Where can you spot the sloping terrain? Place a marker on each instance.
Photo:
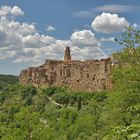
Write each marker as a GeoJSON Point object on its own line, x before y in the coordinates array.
{"type": "Point", "coordinates": [8, 79]}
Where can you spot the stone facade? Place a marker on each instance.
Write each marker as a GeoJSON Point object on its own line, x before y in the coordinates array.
{"type": "Point", "coordinates": [88, 75]}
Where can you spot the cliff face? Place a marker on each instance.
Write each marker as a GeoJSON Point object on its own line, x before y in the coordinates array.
{"type": "Point", "coordinates": [90, 75]}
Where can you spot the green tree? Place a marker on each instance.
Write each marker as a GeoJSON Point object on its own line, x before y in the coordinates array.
{"type": "Point", "coordinates": [131, 41]}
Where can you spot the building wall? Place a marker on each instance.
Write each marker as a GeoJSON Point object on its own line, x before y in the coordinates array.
{"type": "Point", "coordinates": [90, 75]}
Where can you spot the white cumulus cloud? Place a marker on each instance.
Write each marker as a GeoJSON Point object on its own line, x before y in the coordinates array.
{"type": "Point", "coordinates": [4, 10]}
{"type": "Point", "coordinates": [15, 10]}
{"type": "Point", "coordinates": [84, 37]}
{"type": "Point", "coordinates": [21, 42]}
{"type": "Point", "coordinates": [6, 53]}
{"type": "Point", "coordinates": [85, 45]}
{"type": "Point", "coordinates": [50, 28]}
{"type": "Point", "coordinates": [109, 23]}
{"type": "Point", "coordinates": [88, 53]}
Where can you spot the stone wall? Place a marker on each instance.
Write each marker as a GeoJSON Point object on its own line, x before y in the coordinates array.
{"type": "Point", "coordinates": [89, 75]}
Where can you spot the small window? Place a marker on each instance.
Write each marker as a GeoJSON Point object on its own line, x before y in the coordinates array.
{"type": "Point", "coordinates": [106, 69]}
{"type": "Point", "coordinates": [67, 73]}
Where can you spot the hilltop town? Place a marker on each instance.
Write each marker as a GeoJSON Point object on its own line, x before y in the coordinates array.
{"type": "Point", "coordinates": [88, 75]}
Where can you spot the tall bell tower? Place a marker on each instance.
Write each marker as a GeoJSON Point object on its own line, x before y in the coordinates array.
{"type": "Point", "coordinates": [67, 56]}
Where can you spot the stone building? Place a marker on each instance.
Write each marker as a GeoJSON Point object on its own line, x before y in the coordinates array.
{"type": "Point", "coordinates": [88, 75]}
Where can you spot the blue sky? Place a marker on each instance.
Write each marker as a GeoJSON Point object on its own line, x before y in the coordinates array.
{"type": "Point", "coordinates": [33, 30]}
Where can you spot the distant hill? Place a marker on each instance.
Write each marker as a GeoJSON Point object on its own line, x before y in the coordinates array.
{"type": "Point", "coordinates": [8, 79]}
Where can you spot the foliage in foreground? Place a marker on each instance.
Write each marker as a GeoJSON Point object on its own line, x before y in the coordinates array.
{"type": "Point", "coordinates": [28, 112]}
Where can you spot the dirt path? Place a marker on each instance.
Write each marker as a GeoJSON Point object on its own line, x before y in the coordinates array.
{"type": "Point", "coordinates": [54, 102]}
{"type": "Point", "coordinates": [51, 100]}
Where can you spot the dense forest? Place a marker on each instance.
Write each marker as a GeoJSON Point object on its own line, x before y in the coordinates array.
{"type": "Point", "coordinates": [6, 80]}
{"type": "Point", "coordinates": [29, 113]}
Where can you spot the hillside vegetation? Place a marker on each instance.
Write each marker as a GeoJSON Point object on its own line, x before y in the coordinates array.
{"type": "Point", "coordinates": [5, 80]}
{"type": "Point", "coordinates": [29, 113]}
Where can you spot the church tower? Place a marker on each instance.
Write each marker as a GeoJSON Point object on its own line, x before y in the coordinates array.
{"type": "Point", "coordinates": [67, 56]}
